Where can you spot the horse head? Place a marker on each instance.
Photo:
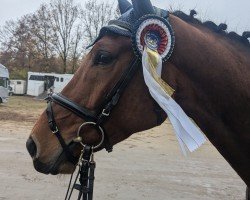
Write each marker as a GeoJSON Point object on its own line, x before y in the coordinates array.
{"type": "Point", "coordinates": [103, 67]}
{"type": "Point", "coordinates": [209, 71]}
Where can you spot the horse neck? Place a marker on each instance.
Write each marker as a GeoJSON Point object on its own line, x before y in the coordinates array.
{"type": "Point", "coordinates": [204, 56]}
{"type": "Point", "coordinates": [212, 86]}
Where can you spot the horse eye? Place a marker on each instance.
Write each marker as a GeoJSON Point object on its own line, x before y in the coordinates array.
{"type": "Point", "coordinates": [103, 58]}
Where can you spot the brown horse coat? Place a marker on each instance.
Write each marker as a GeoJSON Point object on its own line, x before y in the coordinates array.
{"type": "Point", "coordinates": [210, 74]}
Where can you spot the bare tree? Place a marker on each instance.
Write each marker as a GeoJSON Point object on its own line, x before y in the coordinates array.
{"type": "Point", "coordinates": [42, 32]}
{"type": "Point", "coordinates": [19, 41]}
{"type": "Point", "coordinates": [94, 16]}
{"type": "Point", "coordinates": [52, 39]}
{"type": "Point", "coordinates": [77, 49]}
{"type": "Point", "coordinates": [7, 33]}
{"type": "Point", "coordinates": [64, 18]}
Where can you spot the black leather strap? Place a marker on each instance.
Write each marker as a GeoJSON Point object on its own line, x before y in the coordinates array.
{"type": "Point", "coordinates": [114, 94]}
{"type": "Point", "coordinates": [55, 130]}
{"type": "Point", "coordinates": [158, 113]}
{"type": "Point", "coordinates": [80, 111]}
{"type": "Point", "coordinates": [113, 97]}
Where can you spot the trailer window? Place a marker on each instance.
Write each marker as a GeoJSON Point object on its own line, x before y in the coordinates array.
{"type": "Point", "coordinates": [3, 82]}
{"type": "Point", "coordinates": [57, 79]}
{"type": "Point", "coordinates": [18, 82]}
{"type": "Point", "coordinates": [61, 79]}
{"type": "Point", "coordinates": [36, 78]}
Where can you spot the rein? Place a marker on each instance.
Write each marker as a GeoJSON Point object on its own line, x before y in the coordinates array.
{"type": "Point", "coordinates": [86, 168]}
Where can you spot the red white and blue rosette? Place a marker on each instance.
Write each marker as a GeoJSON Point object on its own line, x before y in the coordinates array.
{"type": "Point", "coordinates": [154, 32]}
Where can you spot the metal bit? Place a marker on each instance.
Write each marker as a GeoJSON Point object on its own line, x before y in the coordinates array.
{"type": "Point", "coordinates": [92, 158]}
{"type": "Point", "coordinates": [78, 139]}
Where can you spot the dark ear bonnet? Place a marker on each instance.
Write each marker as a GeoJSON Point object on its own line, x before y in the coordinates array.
{"type": "Point", "coordinates": [123, 26]}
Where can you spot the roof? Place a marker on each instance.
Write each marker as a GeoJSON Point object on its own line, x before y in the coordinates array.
{"type": "Point", "coordinates": [49, 74]}
{"type": "Point", "coordinates": [4, 71]}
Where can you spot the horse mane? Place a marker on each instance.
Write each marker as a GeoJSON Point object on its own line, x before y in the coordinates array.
{"type": "Point", "coordinates": [219, 29]}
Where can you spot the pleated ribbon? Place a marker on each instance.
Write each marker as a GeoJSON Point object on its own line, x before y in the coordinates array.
{"type": "Point", "coordinates": [187, 132]}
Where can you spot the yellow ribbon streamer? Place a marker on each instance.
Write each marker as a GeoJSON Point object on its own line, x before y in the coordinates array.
{"type": "Point", "coordinates": [153, 60]}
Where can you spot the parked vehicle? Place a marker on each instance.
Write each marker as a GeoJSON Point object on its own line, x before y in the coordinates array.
{"type": "Point", "coordinates": [4, 84]}
{"type": "Point", "coordinates": [19, 87]}
{"type": "Point", "coordinates": [40, 83]}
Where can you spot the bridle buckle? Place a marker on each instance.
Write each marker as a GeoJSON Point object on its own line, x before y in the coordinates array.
{"type": "Point", "coordinates": [105, 113]}
{"type": "Point", "coordinates": [55, 131]}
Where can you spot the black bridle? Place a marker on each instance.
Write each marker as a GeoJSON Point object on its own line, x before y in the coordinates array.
{"type": "Point", "coordinates": [96, 117]}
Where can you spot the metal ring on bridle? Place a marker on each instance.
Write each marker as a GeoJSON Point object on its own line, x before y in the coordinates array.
{"type": "Point", "coordinates": [98, 127]}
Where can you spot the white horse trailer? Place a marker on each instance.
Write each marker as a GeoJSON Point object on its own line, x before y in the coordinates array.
{"type": "Point", "coordinates": [19, 87]}
{"type": "Point", "coordinates": [4, 84]}
{"type": "Point", "coordinates": [41, 83]}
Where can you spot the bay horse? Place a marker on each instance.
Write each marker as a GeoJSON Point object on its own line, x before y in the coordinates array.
{"type": "Point", "coordinates": [209, 71]}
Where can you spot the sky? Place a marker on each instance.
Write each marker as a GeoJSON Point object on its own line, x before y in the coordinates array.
{"type": "Point", "coordinates": [236, 13]}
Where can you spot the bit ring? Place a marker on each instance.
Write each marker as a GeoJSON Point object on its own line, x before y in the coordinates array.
{"type": "Point", "coordinates": [99, 128]}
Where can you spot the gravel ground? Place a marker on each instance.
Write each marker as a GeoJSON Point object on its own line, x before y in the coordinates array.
{"type": "Point", "coordinates": [148, 165]}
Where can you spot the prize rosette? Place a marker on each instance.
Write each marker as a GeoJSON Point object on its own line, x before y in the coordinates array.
{"type": "Point", "coordinates": [154, 32]}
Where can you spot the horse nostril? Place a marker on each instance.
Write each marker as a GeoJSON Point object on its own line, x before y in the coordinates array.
{"type": "Point", "coordinates": [31, 147]}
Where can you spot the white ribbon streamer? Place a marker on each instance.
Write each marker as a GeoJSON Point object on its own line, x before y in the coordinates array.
{"type": "Point", "coordinates": [187, 132]}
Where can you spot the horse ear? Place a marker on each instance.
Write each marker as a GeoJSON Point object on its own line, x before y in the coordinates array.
{"type": "Point", "coordinates": [124, 5]}
{"type": "Point", "coordinates": [142, 7]}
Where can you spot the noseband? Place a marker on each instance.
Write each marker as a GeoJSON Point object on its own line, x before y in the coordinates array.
{"type": "Point", "coordinates": [95, 118]}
